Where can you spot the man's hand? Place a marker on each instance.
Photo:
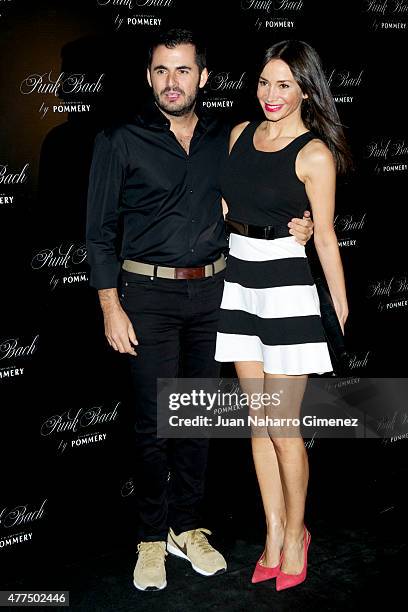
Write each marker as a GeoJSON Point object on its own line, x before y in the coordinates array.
{"type": "Point", "coordinates": [302, 229]}
{"type": "Point", "coordinates": [118, 328]}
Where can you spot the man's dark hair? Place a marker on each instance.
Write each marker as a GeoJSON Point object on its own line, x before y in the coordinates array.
{"type": "Point", "coordinates": [177, 36]}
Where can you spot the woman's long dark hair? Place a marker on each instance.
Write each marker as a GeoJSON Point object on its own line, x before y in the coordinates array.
{"type": "Point", "coordinates": [319, 112]}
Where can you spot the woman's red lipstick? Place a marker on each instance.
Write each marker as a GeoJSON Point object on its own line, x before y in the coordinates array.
{"type": "Point", "coordinates": [273, 108]}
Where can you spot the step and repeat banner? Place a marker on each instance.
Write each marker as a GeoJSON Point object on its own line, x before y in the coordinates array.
{"type": "Point", "coordinates": [67, 69]}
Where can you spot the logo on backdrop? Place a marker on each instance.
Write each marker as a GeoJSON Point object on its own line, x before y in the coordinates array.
{"type": "Point", "coordinates": [387, 155]}
{"type": "Point", "coordinates": [15, 517]}
{"type": "Point", "coordinates": [223, 89]}
{"type": "Point", "coordinates": [272, 14]}
{"type": "Point", "coordinates": [359, 360]}
{"type": "Point", "coordinates": [63, 264]}
{"type": "Point", "coordinates": [386, 15]}
{"type": "Point", "coordinates": [389, 294]}
{"type": "Point", "coordinates": [348, 227]}
{"type": "Point", "coordinates": [13, 355]}
{"type": "Point", "coordinates": [62, 86]}
{"type": "Point", "coordinates": [131, 13]}
{"type": "Point", "coordinates": [4, 5]}
{"type": "Point", "coordinates": [79, 427]}
{"type": "Point", "coordinates": [398, 422]}
{"type": "Point", "coordinates": [10, 177]}
{"type": "Point", "coordinates": [344, 83]}
{"type": "Point", "coordinates": [127, 488]}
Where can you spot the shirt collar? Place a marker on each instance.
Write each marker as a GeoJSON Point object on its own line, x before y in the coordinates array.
{"type": "Point", "coordinates": [152, 117]}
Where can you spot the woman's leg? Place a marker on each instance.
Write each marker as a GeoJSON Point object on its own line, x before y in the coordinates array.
{"type": "Point", "coordinates": [293, 465]}
{"type": "Point", "coordinates": [251, 377]}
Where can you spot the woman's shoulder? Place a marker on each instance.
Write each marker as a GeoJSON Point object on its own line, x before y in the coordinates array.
{"type": "Point", "coordinates": [236, 132]}
{"type": "Point", "coordinates": [239, 128]}
{"type": "Point", "coordinates": [316, 151]}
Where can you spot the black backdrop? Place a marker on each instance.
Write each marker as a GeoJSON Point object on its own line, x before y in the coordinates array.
{"type": "Point", "coordinates": [68, 477]}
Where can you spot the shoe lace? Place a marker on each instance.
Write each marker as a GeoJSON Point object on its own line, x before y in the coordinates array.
{"type": "Point", "coordinates": [198, 538]}
{"type": "Point", "coordinates": [150, 553]}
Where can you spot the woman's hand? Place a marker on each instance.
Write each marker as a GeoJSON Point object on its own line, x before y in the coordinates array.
{"type": "Point", "coordinates": [301, 229]}
{"type": "Point", "coordinates": [342, 312]}
{"type": "Point", "coordinates": [224, 207]}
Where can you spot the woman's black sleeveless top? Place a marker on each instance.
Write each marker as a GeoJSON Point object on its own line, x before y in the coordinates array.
{"type": "Point", "coordinates": [262, 188]}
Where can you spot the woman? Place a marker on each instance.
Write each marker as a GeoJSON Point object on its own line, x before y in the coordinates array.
{"type": "Point", "coordinates": [270, 323]}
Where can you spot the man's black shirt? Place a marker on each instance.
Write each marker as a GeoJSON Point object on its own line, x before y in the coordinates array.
{"type": "Point", "coordinates": [150, 201]}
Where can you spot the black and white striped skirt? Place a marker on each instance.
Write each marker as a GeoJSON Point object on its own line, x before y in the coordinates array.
{"type": "Point", "coordinates": [270, 308]}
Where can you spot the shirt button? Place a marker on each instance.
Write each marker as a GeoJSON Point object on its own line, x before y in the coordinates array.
{"type": "Point", "coordinates": [191, 191]}
{"type": "Point", "coordinates": [192, 220]}
{"type": "Point", "coordinates": [192, 250]}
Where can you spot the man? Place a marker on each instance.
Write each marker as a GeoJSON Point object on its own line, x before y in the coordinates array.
{"type": "Point", "coordinates": [159, 176]}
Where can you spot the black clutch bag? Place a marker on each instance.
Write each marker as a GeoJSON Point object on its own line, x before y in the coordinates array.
{"type": "Point", "coordinates": [334, 336]}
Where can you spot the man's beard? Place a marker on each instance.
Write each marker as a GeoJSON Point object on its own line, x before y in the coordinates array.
{"type": "Point", "coordinates": [182, 110]}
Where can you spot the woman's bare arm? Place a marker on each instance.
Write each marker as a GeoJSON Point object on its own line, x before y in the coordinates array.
{"type": "Point", "coordinates": [317, 169]}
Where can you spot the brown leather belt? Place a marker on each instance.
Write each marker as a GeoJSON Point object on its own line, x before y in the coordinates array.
{"type": "Point", "coordinates": [139, 267]}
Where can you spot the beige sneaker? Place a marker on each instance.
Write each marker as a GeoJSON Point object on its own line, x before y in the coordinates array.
{"type": "Point", "coordinates": [149, 573]}
{"type": "Point", "coordinates": [194, 546]}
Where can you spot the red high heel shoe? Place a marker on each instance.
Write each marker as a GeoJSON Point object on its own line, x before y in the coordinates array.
{"type": "Point", "coordinates": [262, 572]}
{"type": "Point", "coordinates": [285, 581]}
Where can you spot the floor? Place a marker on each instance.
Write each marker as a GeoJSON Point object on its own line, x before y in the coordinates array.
{"type": "Point", "coordinates": [357, 556]}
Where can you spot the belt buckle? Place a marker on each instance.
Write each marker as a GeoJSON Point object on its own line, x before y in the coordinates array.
{"type": "Point", "coordinates": [269, 232]}
{"type": "Point", "coordinates": [189, 273]}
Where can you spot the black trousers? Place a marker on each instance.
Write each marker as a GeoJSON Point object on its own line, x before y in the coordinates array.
{"type": "Point", "coordinates": [175, 322]}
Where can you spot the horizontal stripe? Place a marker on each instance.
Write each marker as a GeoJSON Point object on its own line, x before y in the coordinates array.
{"type": "Point", "coordinates": [258, 249]}
{"type": "Point", "coordinates": [272, 302]}
{"type": "Point", "coordinates": [263, 274]}
{"type": "Point", "coordinates": [295, 359]}
{"type": "Point", "coordinates": [283, 330]}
